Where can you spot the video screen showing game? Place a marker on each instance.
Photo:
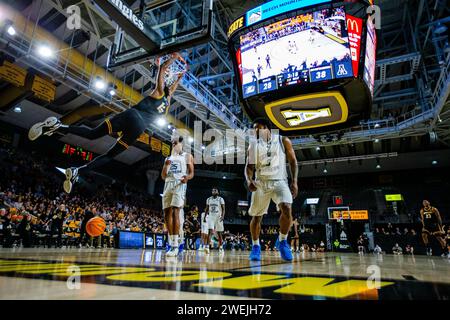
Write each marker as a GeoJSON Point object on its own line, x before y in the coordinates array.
{"type": "Point", "coordinates": [304, 49]}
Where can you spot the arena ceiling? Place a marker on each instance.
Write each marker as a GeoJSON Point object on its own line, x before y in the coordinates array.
{"type": "Point", "coordinates": [408, 54]}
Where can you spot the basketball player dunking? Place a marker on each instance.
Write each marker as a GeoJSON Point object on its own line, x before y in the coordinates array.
{"type": "Point", "coordinates": [432, 226]}
{"type": "Point", "coordinates": [266, 159]}
{"type": "Point", "coordinates": [178, 169]}
{"type": "Point", "coordinates": [215, 211]}
{"type": "Point", "coordinates": [132, 123]}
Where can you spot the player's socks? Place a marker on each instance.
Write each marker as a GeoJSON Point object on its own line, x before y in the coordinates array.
{"type": "Point", "coordinates": [255, 242]}
{"type": "Point", "coordinates": [175, 241]}
{"type": "Point", "coordinates": [282, 237]}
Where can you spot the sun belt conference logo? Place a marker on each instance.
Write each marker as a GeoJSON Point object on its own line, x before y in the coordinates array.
{"type": "Point", "coordinates": [254, 15]}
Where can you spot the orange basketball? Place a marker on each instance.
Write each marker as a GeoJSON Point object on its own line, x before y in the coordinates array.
{"type": "Point", "coordinates": [95, 226]}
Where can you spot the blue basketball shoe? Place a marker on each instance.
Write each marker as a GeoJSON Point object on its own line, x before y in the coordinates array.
{"type": "Point", "coordinates": [255, 255]}
{"type": "Point", "coordinates": [285, 250]}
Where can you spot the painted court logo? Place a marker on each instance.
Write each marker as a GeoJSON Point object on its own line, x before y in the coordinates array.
{"type": "Point", "coordinates": [262, 285]}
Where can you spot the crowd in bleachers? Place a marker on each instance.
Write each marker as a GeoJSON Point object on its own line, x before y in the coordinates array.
{"type": "Point", "coordinates": [405, 240]}
{"type": "Point", "coordinates": [37, 212]}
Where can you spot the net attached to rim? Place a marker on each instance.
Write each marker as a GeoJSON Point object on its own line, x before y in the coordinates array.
{"type": "Point", "coordinates": [174, 71]}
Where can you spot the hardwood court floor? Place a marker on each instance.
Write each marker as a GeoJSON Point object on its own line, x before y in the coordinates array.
{"type": "Point", "coordinates": [146, 274]}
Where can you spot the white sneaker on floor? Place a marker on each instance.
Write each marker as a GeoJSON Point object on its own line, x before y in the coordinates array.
{"type": "Point", "coordinates": [221, 250]}
{"type": "Point", "coordinates": [207, 250]}
{"type": "Point", "coordinates": [173, 252]}
{"type": "Point", "coordinates": [201, 249]}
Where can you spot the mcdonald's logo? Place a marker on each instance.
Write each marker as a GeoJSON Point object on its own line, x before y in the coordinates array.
{"type": "Point", "coordinates": [352, 25]}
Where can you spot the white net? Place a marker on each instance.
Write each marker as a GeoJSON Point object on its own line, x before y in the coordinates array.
{"type": "Point", "coordinates": [173, 72]}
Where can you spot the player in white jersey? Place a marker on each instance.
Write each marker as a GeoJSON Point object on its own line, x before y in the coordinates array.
{"type": "Point", "coordinates": [266, 159]}
{"type": "Point", "coordinates": [204, 231]}
{"type": "Point", "coordinates": [215, 209]}
{"type": "Point", "coordinates": [178, 169]}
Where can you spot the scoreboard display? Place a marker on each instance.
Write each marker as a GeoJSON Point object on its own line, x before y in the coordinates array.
{"type": "Point", "coordinates": [305, 48]}
{"type": "Point", "coordinates": [351, 215]}
{"type": "Point", "coordinates": [295, 59]}
{"type": "Point", "coordinates": [77, 152]}
{"type": "Point", "coordinates": [131, 240]}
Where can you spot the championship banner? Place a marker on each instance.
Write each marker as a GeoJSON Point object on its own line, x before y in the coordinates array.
{"type": "Point", "coordinates": [144, 138]}
{"type": "Point", "coordinates": [354, 26]}
{"type": "Point", "coordinates": [165, 149]}
{"type": "Point", "coordinates": [13, 74]}
{"type": "Point", "coordinates": [155, 144]}
{"type": "Point", "coordinates": [43, 89]}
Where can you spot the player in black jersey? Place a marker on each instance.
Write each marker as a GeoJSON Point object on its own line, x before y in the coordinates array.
{"type": "Point", "coordinates": [432, 226]}
{"type": "Point", "coordinates": [131, 123]}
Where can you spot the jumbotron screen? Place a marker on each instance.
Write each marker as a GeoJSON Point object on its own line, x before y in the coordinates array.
{"type": "Point", "coordinates": [306, 48]}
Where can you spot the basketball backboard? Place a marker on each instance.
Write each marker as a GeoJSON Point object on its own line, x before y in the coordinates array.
{"type": "Point", "coordinates": [156, 27]}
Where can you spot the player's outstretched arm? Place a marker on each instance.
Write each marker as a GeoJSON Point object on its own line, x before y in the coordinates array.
{"type": "Point", "coordinates": [250, 169]}
{"type": "Point", "coordinates": [421, 218]}
{"type": "Point", "coordinates": [190, 167]}
{"type": "Point", "coordinates": [160, 84]}
{"type": "Point", "coordinates": [438, 215]}
{"type": "Point", "coordinates": [223, 211]}
{"type": "Point", "coordinates": [165, 169]}
{"type": "Point", "coordinates": [292, 160]}
{"type": "Point", "coordinates": [206, 209]}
